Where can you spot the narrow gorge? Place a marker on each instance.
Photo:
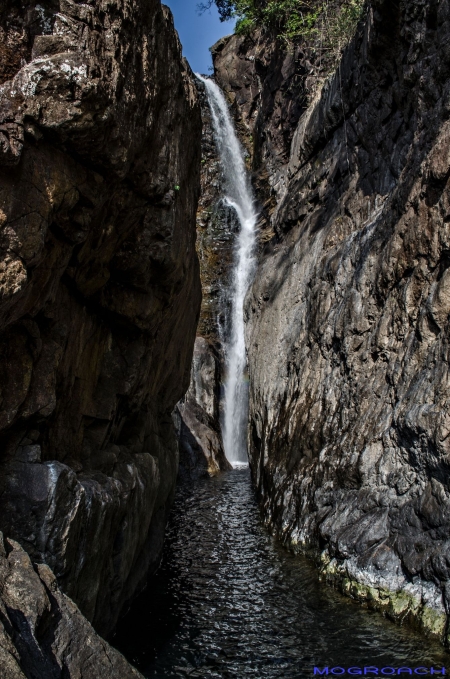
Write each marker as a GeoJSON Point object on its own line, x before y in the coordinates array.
{"type": "Point", "coordinates": [229, 294]}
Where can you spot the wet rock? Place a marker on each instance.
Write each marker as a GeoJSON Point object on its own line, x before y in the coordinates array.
{"type": "Point", "coordinates": [201, 445]}
{"type": "Point", "coordinates": [100, 135]}
{"type": "Point", "coordinates": [216, 227]}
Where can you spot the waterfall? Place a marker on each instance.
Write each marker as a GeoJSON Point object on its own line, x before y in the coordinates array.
{"type": "Point", "coordinates": [237, 195]}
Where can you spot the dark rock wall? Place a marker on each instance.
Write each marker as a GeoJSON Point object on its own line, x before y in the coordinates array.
{"type": "Point", "coordinates": [100, 135]}
{"type": "Point", "coordinates": [348, 318]}
{"type": "Point", "coordinates": [42, 633]}
{"type": "Point", "coordinates": [199, 425]}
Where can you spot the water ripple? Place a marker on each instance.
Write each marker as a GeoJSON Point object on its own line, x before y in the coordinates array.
{"type": "Point", "coordinates": [229, 602]}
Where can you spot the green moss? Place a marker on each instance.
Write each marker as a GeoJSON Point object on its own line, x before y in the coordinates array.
{"type": "Point", "coordinates": [433, 622]}
{"type": "Point", "coordinates": [346, 586]}
{"type": "Point", "coordinates": [328, 25]}
{"type": "Point", "coordinates": [359, 591]}
{"type": "Point", "coordinates": [399, 606]}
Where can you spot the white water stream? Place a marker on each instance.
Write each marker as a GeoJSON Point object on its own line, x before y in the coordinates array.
{"type": "Point", "coordinates": [239, 196]}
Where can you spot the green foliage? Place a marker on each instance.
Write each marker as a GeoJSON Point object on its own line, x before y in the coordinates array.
{"type": "Point", "coordinates": [226, 8]}
{"type": "Point", "coordinates": [245, 25]}
{"type": "Point", "coordinates": [340, 27]}
{"type": "Point", "coordinates": [328, 24]}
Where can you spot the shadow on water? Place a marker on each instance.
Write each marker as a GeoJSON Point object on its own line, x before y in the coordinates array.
{"type": "Point", "coordinates": [229, 602]}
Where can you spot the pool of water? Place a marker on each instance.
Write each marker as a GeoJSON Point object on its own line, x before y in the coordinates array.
{"type": "Point", "coordinates": [230, 602]}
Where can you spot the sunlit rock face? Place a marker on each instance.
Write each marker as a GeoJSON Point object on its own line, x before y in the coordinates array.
{"type": "Point", "coordinates": [100, 137]}
{"type": "Point", "coordinates": [348, 317]}
{"type": "Point", "coordinates": [268, 87]}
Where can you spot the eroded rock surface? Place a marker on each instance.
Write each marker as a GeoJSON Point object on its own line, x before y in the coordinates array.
{"type": "Point", "coordinates": [201, 444]}
{"type": "Point", "coordinates": [43, 635]}
{"type": "Point", "coordinates": [99, 286]}
{"type": "Point", "coordinates": [348, 318]}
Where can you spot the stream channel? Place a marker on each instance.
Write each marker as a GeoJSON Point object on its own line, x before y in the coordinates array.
{"type": "Point", "coordinates": [230, 602]}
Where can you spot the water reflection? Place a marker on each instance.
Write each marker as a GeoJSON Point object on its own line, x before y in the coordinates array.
{"type": "Point", "coordinates": [229, 602]}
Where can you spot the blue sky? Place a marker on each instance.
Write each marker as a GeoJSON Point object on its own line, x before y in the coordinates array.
{"type": "Point", "coordinates": [198, 32]}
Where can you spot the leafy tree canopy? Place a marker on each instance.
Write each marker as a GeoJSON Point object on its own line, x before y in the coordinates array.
{"type": "Point", "coordinates": [330, 23]}
{"type": "Point", "coordinates": [226, 8]}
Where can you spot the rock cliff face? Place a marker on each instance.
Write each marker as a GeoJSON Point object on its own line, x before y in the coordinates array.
{"type": "Point", "coordinates": [201, 444]}
{"type": "Point", "coordinates": [100, 136]}
{"type": "Point", "coordinates": [348, 318]}
{"type": "Point", "coordinates": [268, 88]}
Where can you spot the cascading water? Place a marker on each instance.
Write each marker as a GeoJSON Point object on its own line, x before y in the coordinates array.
{"type": "Point", "coordinates": [237, 195]}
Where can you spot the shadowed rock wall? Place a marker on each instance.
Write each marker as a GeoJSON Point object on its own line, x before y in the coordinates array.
{"type": "Point", "coordinates": [348, 318]}
{"type": "Point", "coordinates": [42, 632]}
{"type": "Point", "coordinates": [201, 444]}
{"type": "Point", "coordinates": [100, 135]}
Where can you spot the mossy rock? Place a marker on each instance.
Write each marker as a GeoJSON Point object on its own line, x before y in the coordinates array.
{"type": "Point", "coordinates": [373, 595]}
{"type": "Point", "coordinates": [400, 605]}
{"type": "Point", "coordinates": [347, 586]}
{"type": "Point", "coordinates": [433, 622]}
